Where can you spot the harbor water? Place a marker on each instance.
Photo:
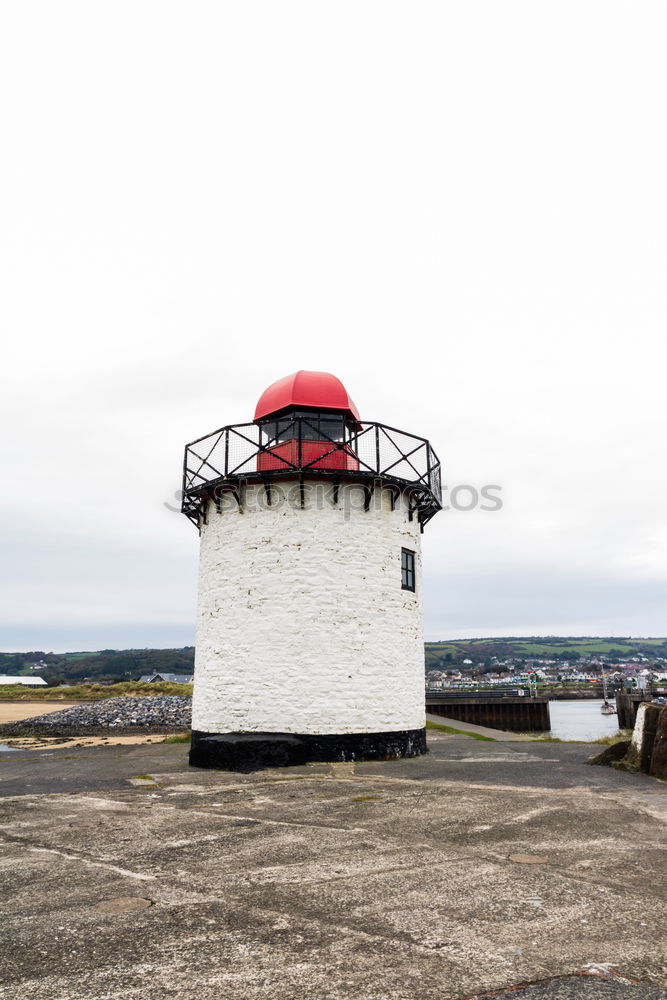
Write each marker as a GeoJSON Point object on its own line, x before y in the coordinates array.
{"type": "Point", "coordinates": [581, 720]}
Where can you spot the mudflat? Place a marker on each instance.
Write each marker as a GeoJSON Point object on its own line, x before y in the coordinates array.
{"type": "Point", "coordinates": [15, 711]}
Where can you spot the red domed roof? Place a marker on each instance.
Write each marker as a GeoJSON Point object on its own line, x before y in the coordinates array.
{"type": "Point", "coordinates": [316, 390]}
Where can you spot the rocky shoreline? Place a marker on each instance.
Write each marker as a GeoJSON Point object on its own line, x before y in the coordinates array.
{"type": "Point", "coordinates": [125, 716]}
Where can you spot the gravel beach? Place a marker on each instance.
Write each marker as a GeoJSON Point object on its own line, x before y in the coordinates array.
{"type": "Point", "coordinates": [151, 714]}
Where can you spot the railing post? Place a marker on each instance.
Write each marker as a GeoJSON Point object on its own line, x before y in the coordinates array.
{"type": "Point", "coordinates": [227, 452]}
{"type": "Point", "coordinates": [377, 449]}
{"type": "Point", "coordinates": [186, 484]}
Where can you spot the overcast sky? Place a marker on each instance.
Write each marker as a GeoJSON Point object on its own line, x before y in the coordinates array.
{"type": "Point", "coordinates": [458, 208]}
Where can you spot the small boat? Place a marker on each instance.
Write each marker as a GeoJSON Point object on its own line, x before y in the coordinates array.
{"type": "Point", "coordinates": [605, 707]}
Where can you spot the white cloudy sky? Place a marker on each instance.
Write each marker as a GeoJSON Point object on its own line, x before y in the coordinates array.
{"type": "Point", "coordinates": [459, 208]}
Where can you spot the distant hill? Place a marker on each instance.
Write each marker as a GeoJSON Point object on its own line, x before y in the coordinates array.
{"type": "Point", "coordinates": [611, 648]}
{"type": "Point", "coordinates": [115, 665]}
{"type": "Point", "coordinates": [105, 665]}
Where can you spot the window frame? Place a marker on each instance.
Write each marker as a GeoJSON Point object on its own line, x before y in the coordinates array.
{"type": "Point", "coordinates": [408, 570]}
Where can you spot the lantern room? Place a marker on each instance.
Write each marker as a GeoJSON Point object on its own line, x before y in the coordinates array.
{"type": "Point", "coordinates": [307, 420]}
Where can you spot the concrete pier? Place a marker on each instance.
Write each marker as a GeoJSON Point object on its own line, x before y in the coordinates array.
{"type": "Point", "coordinates": [518, 714]}
{"type": "Point", "coordinates": [477, 867]}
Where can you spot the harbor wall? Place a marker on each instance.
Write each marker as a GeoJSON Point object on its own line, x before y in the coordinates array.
{"type": "Point", "coordinates": [626, 707]}
{"type": "Point", "coordinates": [519, 715]}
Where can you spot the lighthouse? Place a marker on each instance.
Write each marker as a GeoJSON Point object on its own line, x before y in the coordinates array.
{"type": "Point", "coordinates": [309, 643]}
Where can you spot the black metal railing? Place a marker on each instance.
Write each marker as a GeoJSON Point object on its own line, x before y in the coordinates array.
{"type": "Point", "coordinates": [519, 691]}
{"type": "Point", "coordinates": [301, 446]}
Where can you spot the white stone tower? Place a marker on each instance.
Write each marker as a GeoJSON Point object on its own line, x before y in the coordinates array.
{"type": "Point", "coordinates": [309, 627]}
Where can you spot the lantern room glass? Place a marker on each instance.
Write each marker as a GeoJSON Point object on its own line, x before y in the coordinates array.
{"type": "Point", "coordinates": [315, 426]}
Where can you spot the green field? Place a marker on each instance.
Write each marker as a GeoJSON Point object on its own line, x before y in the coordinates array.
{"type": "Point", "coordinates": [594, 646]}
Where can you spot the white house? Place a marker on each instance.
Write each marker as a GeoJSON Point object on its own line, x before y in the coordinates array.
{"type": "Point", "coordinates": [26, 681]}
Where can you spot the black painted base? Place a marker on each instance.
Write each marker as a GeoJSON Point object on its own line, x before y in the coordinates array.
{"type": "Point", "coordinates": [253, 751]}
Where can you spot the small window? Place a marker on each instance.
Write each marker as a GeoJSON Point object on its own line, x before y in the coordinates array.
{"type": "Point", "coordinates": [407, 569]}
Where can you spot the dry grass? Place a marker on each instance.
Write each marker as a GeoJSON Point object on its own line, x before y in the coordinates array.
{"type": "Point", "coordinates": [90, 692]}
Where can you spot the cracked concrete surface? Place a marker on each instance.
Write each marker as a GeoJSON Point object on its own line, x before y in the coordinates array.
{"type": "Point", "coordinates": [384, 881]}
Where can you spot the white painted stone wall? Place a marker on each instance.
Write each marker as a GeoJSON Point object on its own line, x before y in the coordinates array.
{"type": "Point", "coordinates": [303, 625]}
{"type": "Point", "coordinates": [638, 730]}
